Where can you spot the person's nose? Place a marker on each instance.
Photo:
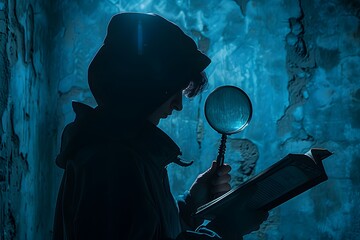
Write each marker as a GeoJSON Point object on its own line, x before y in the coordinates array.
{"type": "Point", "coordinates": [177, 103]}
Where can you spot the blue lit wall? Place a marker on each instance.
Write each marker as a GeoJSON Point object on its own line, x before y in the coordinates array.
{"type": "Point", "coordinates": [298, 60]}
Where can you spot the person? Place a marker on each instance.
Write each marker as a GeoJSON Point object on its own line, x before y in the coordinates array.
{"type": "Point", "coordinates": [115, 184]}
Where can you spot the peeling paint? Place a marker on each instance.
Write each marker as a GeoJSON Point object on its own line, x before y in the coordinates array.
{"type": "Point", "coordinates": [4, 64]}
{"type": "Point", "coordinates": [249, 154]}
{"type": "Point", "coordinates": [242, 4]}
{"type": "Point", "coordinates": [301, 66]}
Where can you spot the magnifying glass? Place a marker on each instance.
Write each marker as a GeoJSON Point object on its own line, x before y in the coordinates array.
{"type": "Point", "coordinates": [228, 110]}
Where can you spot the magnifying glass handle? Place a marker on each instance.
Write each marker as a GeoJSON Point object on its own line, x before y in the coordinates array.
{"type": "Point", "coordinates": [221, 153]}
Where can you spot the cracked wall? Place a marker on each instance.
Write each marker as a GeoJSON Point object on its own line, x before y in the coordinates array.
{"type": "Point", "coordinates": [27, 99]}
{"type": "Point", "coordinates": [298, 60]}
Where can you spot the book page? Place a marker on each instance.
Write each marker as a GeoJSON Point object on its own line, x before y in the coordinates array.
{"type": "Point", "coordinates": [276, 185]}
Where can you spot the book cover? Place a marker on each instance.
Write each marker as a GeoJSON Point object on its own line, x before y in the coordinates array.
{"type": "Point", "coordinates": [289, 177]}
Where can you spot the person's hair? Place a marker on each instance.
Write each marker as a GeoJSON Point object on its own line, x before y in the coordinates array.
{"type": "Point", "coordinates": [197, 85]}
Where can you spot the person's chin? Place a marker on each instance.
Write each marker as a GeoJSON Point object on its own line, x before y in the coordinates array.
{"type": "Point", "coordinates": [154, 122]}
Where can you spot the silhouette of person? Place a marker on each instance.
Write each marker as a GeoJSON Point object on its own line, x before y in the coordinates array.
{"type": "Point", "coordinates": [115, 184]}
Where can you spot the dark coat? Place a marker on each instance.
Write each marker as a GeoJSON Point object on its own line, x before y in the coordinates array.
{"type": "Point", "coordinates": [115, 184]}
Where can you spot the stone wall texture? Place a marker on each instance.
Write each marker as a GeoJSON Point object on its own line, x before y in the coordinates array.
{"type": "Point", "coordinates": [298, 60]}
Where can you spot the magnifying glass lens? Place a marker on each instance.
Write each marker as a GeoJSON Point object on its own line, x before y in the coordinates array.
{"type": "Point", "coordinates": [228, 109]}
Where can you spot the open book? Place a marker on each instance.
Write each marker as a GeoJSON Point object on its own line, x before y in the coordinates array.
{"type": "Point", "coordinates": [289, 177]}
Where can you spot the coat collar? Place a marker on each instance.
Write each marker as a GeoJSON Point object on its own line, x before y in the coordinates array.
{"type": "Point", "coordinates": [93, 126]}
{"type": "Point", "coordinates": [156, 145]}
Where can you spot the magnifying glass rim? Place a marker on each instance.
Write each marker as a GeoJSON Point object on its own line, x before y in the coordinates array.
{"type": "Point", "coordinates": [246, 96]}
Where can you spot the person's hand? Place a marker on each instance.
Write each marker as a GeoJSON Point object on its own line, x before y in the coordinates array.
{"type": "Point", "coordinates": [234, 222]}
{"type": "Point", "coordinates": [200, 234]}
{"type": "Point", "coordinates": [211, 184]}
{"type": "Point", "coordinates": [241, 224]}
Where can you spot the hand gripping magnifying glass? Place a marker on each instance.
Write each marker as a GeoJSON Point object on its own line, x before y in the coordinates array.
{"type": "Point", "coordinates": [228, 110]}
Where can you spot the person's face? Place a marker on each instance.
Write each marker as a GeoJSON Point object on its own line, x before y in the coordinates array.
{"type": "Point", "coordinates": [174, 103]}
